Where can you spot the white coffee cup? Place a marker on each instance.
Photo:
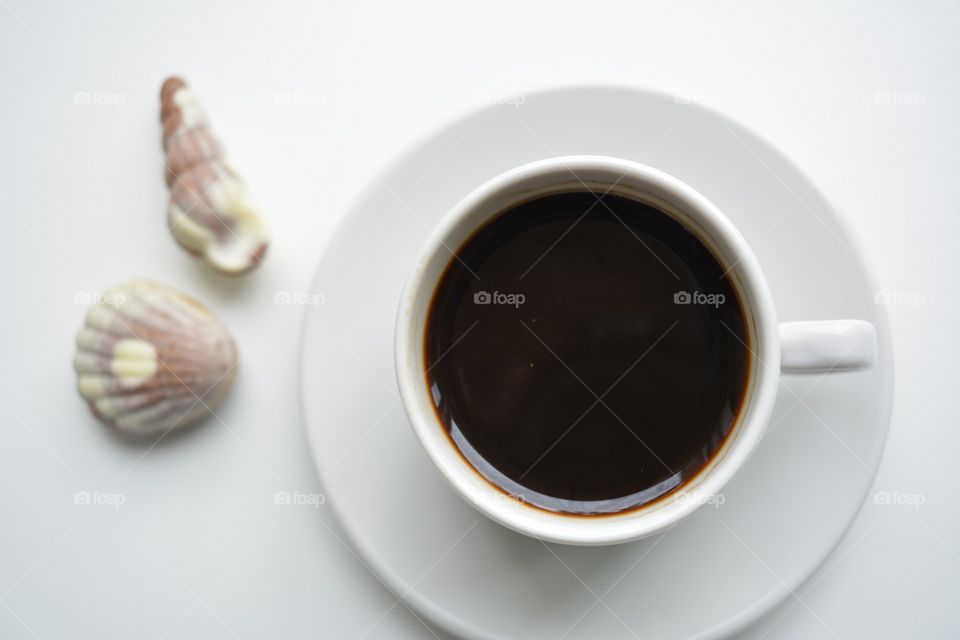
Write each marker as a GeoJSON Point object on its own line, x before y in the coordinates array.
{"type": "Point", "coordinates": [796, 347]}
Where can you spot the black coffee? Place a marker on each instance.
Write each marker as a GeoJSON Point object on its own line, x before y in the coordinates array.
{"type": "Point", "coordinates": [586, 355]}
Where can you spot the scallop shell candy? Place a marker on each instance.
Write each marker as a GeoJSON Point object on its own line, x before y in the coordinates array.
{"type": "Point", "coordinates": [150, 359]}
{"type": "Point", "coordinates": [211, 212]}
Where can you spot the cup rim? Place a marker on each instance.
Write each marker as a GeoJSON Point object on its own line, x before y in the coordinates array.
{"type": "Point", "coordinates": [715, 230]}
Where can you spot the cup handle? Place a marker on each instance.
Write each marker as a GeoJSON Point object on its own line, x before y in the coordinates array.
{"type": "Point", "coordinates": [821, 346]}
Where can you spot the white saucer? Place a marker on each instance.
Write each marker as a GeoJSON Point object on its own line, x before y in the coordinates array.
{"type": "Point", "coordinates": [715, 572]}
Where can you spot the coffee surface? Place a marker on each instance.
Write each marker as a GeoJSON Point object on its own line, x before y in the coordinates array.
{"type": "Point", "coordinates": [587, 354]}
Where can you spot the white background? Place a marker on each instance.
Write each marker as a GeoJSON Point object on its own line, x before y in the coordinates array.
{"type": "Point", "coordinates": [310, 99]}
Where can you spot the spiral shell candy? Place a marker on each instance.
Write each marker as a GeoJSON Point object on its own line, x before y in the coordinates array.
{"type": "Point", "coordinates": [211, 213]}
{"type": "Point", "coordinates": [150, 359]}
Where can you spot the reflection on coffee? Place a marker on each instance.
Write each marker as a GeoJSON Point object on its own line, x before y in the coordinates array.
{"type": "Point", "coordinates": [586, 353]}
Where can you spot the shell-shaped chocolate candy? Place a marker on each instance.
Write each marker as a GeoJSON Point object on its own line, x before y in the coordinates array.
{"type": "Point", "coordinates": [211, 213]}
{"type": "Point", "coordinates": [150, 359]}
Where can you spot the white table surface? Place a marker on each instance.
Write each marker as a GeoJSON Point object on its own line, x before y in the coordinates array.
{"type": "Point", "coordinates": [310, 98]}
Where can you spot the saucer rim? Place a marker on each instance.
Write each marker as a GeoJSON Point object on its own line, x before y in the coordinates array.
{"type": "Point", "coordinates": [465, 114]}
